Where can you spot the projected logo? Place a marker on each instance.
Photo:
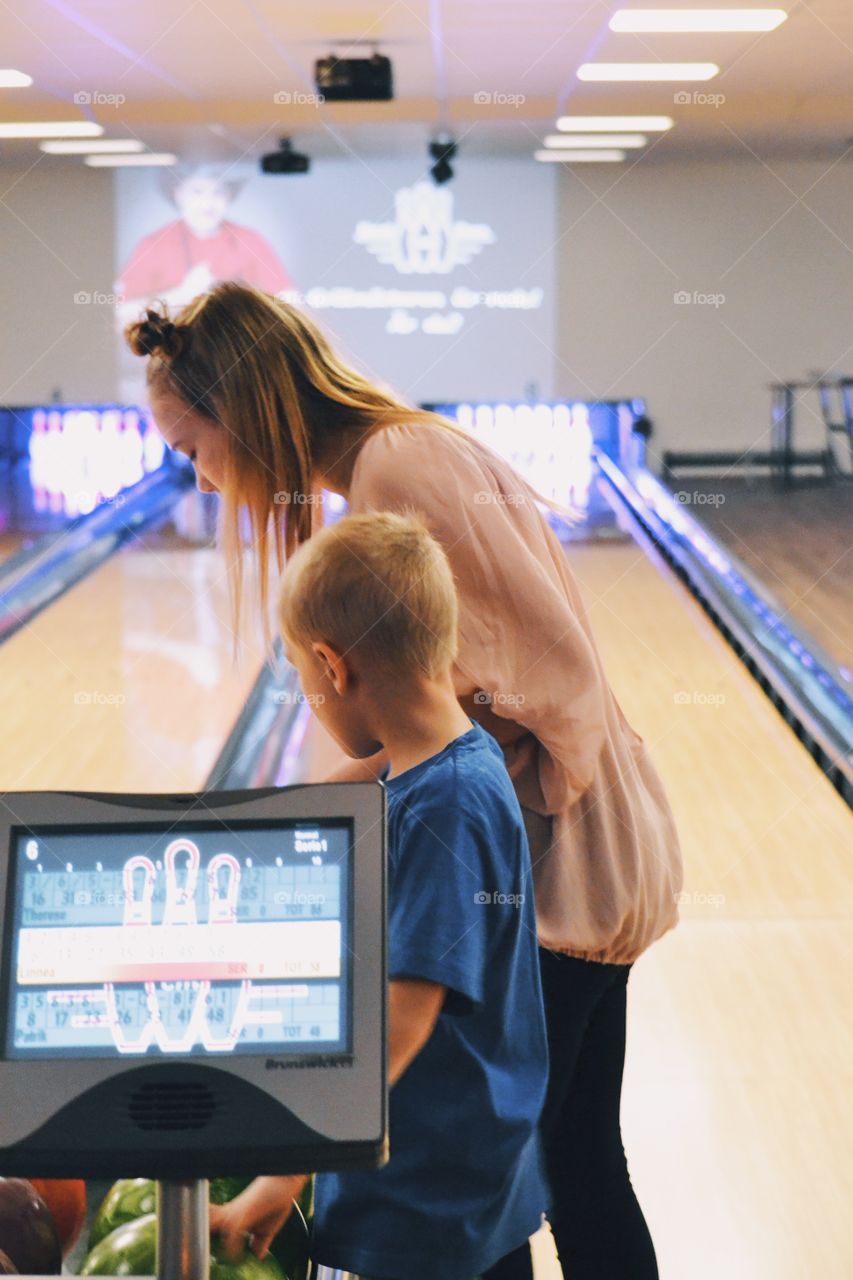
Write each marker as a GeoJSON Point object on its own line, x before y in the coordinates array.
{"type": "Point", "coordinates": [424, 238]}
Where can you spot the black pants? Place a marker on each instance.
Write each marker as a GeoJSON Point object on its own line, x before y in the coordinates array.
{"type": "Point", "coordinates": [598, 1226]}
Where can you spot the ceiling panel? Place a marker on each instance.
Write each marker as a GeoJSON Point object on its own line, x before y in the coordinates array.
{"type": "Point", "coordinates": [182, 65]}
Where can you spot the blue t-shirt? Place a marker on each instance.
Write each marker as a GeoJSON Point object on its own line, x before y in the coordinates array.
{"type": "Point", "coordinates": [464, 1184]}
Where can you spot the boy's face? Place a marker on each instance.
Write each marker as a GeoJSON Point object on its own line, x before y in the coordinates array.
{"type": "Point", "coordinates": [337, 695]}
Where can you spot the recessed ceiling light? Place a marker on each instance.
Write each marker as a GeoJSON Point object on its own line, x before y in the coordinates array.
{"type": "Point", "coordinates": [648, 71]}
{"type": "Point", "coordinates": [148, 158]}
{"type": "Point", "coordinates": [52, 129]}
{"type": "Point", "coordinates": [72, 147]}
{"type": "Point", "coordinates": [612, 124]}
{"type": "Point", "coordinates": [605, 156]}
{"type": "Point", "coordinates": [697, 19]}
{"type": "Point", "coordinates": [596, 140]}
{"type": "Point", "coordinates": [10, 79]}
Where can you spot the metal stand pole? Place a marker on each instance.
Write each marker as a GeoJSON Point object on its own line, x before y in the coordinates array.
{"type": "Point", "coordinates": [183, 1231]}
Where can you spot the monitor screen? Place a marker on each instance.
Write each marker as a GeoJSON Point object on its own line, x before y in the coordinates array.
{"type": "Point", "coordinates": [202, 939]}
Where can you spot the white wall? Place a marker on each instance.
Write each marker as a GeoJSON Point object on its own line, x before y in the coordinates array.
{"type": "Point", "coordinates": [775, 240]}
{"type": "Point", "coordinates": [777, 247]}
{"type": "Point", "coordinates": [56, 241]}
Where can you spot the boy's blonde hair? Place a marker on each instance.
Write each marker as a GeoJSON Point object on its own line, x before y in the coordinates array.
{"type": "Point", "coordinates": [379, 585]}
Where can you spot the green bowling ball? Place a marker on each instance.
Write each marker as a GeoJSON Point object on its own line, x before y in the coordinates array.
{"type": "Point", "coordinates": [131, 1250]}
{"type": "Point", "coordinates": [132, 1198]}
{"type": "Point", "coordinates": [126, 1200]}
{"type": "Point", "coordinates": [248, 1268]}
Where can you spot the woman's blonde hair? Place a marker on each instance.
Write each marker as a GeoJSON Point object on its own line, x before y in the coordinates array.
{"type": "Point", "coordinates": [262, 370]}
{"type": "Point", "coordinates": [378, 585]}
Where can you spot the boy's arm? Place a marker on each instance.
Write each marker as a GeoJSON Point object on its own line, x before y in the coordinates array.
{"type": "Point", "coordinates": [263, 1208]}
{"type": "Point", "coordinates": [413, 1006]}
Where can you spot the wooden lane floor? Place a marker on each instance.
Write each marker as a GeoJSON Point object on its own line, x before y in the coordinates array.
{"type": "Point", "coordinates": [797, 541]}
{"type": "Point", "coordinates": [739, 1053]}
{"type": "Point", "coordinates": [127, 682]}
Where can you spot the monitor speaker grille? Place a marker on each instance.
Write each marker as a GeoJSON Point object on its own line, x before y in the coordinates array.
{"type": "Point", "coordinates": [171, 1106]}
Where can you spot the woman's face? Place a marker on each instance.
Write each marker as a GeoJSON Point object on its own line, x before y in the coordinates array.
{"type": "Point", "coordinates": [203, 441]}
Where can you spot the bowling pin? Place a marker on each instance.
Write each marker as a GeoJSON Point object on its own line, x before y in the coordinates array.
{"type": "Point", "coordinates": [110, 477]}
{"type": "Point", "coordinates": [132, 451]}
{"type": "Point", "coordinates": [153, 447]}
{"type": "Point", "coordinates": [137, 910]}
{"type": "Point", "coordinates": [180, 900]}
{"type": "Point", "coordinates": [222, 907]}
{"type": "Point", "coordinates": [37, 447]}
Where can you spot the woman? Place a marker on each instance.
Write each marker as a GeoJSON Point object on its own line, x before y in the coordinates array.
{"type": "Point", "coordinates": [251, 391]}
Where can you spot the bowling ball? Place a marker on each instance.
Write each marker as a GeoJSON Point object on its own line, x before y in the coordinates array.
{"type": "Point", "coordinates": [126, 1200]}
{"type": "Point", "coordinates": [27, 1231]}
{"type": "Point", "coordinates": [248, 1268]}
{"type": "Point", "coordinates": [134, 1197]}
{"type": "Point", "coordinates": [129, 1250]}
{"type": "Point", "coordinates": [66, 1199]}
{"type": "Point", "coordinates": [6, 1268]}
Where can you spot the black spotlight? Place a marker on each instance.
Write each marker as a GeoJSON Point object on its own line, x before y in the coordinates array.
{"type": "Point", "coordinates": [285, 160]}
{"type": "Point", "coordinates": [442, 153]}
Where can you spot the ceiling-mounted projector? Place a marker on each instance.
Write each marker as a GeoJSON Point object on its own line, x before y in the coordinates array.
{"type": "Point", "coordinates": [355, 79]}
{"type": "Point", "coordinates": [285, 160]}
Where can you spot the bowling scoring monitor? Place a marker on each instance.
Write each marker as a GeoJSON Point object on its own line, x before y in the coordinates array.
{"type": "Point", "coordinates": [192, 985]}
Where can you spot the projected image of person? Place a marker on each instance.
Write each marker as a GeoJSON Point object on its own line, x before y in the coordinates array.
{"type": "Point", "coordinates": [199, 248]}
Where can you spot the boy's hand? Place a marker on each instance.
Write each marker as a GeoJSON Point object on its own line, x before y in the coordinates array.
{"type": "Point", "coordinates": [255, 1217]}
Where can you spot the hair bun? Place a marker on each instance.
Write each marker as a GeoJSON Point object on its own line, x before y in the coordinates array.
{"type": "Point", "coordinates": [155, 335]}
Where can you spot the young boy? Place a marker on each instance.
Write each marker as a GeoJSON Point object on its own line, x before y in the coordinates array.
{"type": "Point", "coordinates": [368, 616]}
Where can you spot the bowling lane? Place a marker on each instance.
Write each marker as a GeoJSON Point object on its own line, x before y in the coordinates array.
{"type": "Point", "coordinates": [127, 682]}
{"type": "Point", "coordinates": [737, 1054]}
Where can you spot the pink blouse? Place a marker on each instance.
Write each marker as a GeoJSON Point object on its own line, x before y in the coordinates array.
{"type": "Point", "coordinates": [606, 859]}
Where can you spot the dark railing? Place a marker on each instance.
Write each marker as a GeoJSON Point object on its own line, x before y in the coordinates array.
{"type": "Point", "coordinates": [261, 749]}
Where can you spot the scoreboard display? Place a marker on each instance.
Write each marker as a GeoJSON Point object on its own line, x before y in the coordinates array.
{"type": "Point", "coordinates": [198, 941]}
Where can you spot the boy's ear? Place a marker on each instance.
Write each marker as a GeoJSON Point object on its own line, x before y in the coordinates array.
{"type": "Point", "coordinates": [335, 666]}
